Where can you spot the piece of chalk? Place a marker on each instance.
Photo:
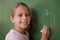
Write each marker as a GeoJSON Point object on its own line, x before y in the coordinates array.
{"type": "Point", "coordinates": [41, 30]}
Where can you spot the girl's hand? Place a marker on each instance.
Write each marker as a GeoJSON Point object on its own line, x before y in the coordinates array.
{"type": "Point", "coordinates": [45, 33]}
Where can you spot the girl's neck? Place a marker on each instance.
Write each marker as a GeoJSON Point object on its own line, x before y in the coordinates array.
{"type": "Point", "coordinates": [20, 30]}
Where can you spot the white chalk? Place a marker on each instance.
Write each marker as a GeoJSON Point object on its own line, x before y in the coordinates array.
{"type": "Point", "coordinates": [41, 30]}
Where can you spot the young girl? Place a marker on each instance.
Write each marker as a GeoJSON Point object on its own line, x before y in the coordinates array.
{"type": "Point", "coordinates": [20, 17]}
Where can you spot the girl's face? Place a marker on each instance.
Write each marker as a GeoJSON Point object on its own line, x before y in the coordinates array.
{"type": "Point", "coordinates": [21, 17]}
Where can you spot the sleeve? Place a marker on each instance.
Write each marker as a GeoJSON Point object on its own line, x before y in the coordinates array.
{"type": "Point", "coordinates": [10, 38]}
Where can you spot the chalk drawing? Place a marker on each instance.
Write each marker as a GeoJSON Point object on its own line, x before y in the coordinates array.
{"type": "Point", "coordinates": [48, 18]}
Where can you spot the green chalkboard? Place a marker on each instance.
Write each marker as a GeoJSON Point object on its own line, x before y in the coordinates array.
{"type": "Point", "coordinates": [45, 12]}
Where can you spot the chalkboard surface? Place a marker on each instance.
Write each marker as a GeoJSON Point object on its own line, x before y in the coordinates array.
{"type": "Point", "coordinates": [45, 12]}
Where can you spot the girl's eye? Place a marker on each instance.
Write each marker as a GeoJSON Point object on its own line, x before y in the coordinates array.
{"type": "Point", "coordinates": [27, 14]}
{"type": "Point", "coordinates": [20, 15]}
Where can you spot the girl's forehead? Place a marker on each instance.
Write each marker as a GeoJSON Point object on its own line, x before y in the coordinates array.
{"type": "Point", "coordinates": [22, 9]}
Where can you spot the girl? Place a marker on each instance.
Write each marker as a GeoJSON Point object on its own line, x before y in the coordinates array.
{"type": "Point", "coordinates": [20, 17]}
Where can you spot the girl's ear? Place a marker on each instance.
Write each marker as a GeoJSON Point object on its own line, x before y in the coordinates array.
{"type": "Point", "coordinates": [12, 19]}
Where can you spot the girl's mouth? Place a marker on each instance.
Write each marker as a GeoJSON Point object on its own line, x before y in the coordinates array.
{"type": "Point", "coordinates": [23, 23]}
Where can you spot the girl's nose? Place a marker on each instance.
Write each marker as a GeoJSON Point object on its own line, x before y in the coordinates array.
{"type": "Point", "coordinates": [23, 17]}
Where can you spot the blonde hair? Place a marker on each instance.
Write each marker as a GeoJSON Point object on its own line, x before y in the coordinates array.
{"type": "Point", "coordinates": [17, 5]}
